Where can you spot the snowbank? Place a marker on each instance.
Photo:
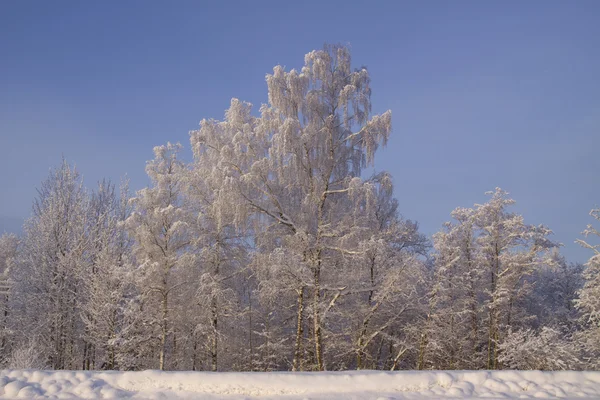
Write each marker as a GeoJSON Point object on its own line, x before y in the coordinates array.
{"type": "Point", "coordinates": [330, 385]}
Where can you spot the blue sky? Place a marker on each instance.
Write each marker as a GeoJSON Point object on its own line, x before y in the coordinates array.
{"type": "Point", "coordinates": [483, 93]}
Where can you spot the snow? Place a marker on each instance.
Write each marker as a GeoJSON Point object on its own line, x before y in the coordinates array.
{"type": "Point", "coordinates": [356, 385]}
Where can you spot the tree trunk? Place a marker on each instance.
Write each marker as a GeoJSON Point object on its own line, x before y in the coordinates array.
{"type": "Point", "coordinates": [490, 360]}
{"type": "Point", "coordinates": [174, 353]}
{"type": "Point", "coordinates": [4, 324]}
{"type": "Point", "coordinates": [361, 342]}
{"type": "Point", "coordinates": [214, 344]}
{"type": "Point", "coordinates": [85, 356]}
{"type": "Point", "coordinates": [164, 331]}
{"type": "Point", "coordinates": [317, 317]}
{"type": "Point", "coordinates": [250, 328]}
{"type": "Point", "coordinates": [493, 317]}
{"type": "Point", "coordinates": [372, 271]}
{"type": "Point", "coordinates": [298, 364]}
{"type": "Point", "coordinates": [397, 358]}
{"type": "Point", "coordinates": [377, 361]}
{"type": "Point", "coordinates": [111, 347]}
{"type": "Point", "coordinates": [422, 346]}
{"type": "Point", "coordinates": [472, 292]}
{"type": "Point", "coordinates": [195, 347]}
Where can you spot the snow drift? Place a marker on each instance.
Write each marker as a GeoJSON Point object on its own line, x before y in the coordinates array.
{"type": "Point", "coordinates": [329, 385]}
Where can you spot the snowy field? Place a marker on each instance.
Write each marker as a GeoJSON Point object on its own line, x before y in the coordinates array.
{"type": "Point", "coordinates": [32, 384]}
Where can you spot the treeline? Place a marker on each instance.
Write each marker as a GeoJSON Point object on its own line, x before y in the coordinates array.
{"type": "Point", "coordinates": [270, 251]}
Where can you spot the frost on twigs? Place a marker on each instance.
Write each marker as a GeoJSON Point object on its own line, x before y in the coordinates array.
{"type": "Point", "coordinates": [589, 295]}
{"type": "Point", "coordinates": [484, 263]}
{"type": "Point", "coordinates": [295, 171]}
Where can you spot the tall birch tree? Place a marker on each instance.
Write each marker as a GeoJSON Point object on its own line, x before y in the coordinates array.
{"type": "Point", "coordinates": [298, 164]}
{"type": "Point", "coordinates": [51, 266]}
{"type": "Point", "coordinates": [589, 295]}
{"type": "Point", "coordinates": [158, 225]}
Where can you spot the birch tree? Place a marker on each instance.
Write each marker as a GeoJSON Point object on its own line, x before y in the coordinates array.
{"type": "Point", "coordinates": [8, 254]}
{"type": "Point", "coordinates": [219, 225]}
{"type": "Point", "coordinates": [485, 263]}
{"type": "Point", "coordinates": [108, 280]}
{"type": "Point", "coordinates": [589, 295]}
{"type": "Point", "coordinates": [158, 226]}
{"type": "Point", "coordinates": [546, 350]}
{"type": "Point", "coordinates": [383, 280]}
{"type": "Point", "coordinates": [51, 266]}
{"type": "Point", "coordinates": [512, 251]}
{"type": "Point", "coordinates": [556, 289]}
{"type": "Point", "coordinates": [451, 339]}
{"type": "Point", "coordinates": [301, 160]}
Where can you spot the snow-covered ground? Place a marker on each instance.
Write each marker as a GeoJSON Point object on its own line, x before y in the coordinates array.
{"type": "Point", "coordinates": [330, 385]}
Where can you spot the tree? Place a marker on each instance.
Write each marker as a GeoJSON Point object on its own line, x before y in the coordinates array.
{"type": "Point", "coordinates": [8, 253]}
{"type": "Point", "coordinates": [51, 266]}
{"type": "Point", "coordinates": [160, 232]}
{"type": "Point", "coordinates": [556, 288]}
{"type": "Point", "coordinates": [547, 350]}
{"type": "Point", "coordinates": [589, 295]}
{"type": "Point", "coordinates": [383, 281]}
{"type": "Point", "coordinates": [484, 265]}
{"type": "Point", "coordinates": [220, 242]}
{"type": "Point", "coordinates": [108, 280]}
{"type": "Point", "coordinates": [299, 164]}
{"type": "Point", "coordinates": [452, 337]}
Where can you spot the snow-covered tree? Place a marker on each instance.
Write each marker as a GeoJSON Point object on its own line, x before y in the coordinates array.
{"type": "Point", "coordinates": [218, 223]}
{"type": "Point", "coordinates": [484, 265]}
{"type": "Point", "coordinates": [108, 281]}
{"type": "Point", "coordinates": [512, 251]}
{"type": "Point", "coordinates": [382, 281]}
{"type": "Point", "coordinates": [158, 226]}
{"type": "Point", "coordinates": [8, 254]}
{"type": "Point", "coordinates": [589, 295]}
{"type": "Point", "coordinates": [556, 287]}
{"type": "Point", "coordinates": [452, 338]}
{"type": "Point", "coordinates": [52, 263]}
{"type": "Point", "coordinates": [299, 164]}
{"type": "Point", "coordinates": [547, 350]}
{"type": "Point", "coordinates": [26, 355]}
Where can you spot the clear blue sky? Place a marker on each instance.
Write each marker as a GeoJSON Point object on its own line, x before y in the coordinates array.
{"type": "Point", "coordinates": [483, 93]}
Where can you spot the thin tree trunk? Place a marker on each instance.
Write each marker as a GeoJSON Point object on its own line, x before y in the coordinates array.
{"type": "Point", "coordinates": [389, 361]}
{"type": "Point", "coordinates": [361, 341]}
{"type": "Point", "coordinates": [422, 346]}
{"type": "Point", "coordinates": [214, 311]}
{"type": "Point", "coordinates": [493, 318]}
{"type": "Point", "coordinates": [317, 317]}
{"type": "Point", "coordinates": [111, 357]}
{"type": "Point", "coordinates": [215, 320]}
{"type": "Point", "coordinates": [93, 360]}
{"type": "Point", "coordinates": [424, 338]}
{"type": "Point", "coordinates": [397, 358]}
{"type": "Point", "coordinates": [111, 347]}
{"type": "Point", "coordinates": [85, 356]}
{"type": "Point", "coordinates": [473, 301]}
{"type": "Point", "coordinates": [174, 362]}
{"type": "Point", "coordinates": [490, 360]}
{"type": "Point", "coordinates": [250, 328]}
{"type": "Point", "coordinates": [377, 361]}
{"type": "Point", "coordinates": [164, 331]}
{"type": "Point", "coordinates": [195, 348]}
{"type": "Point", "coordinates": [372, 271]}
{"type": "Point", "coordinates": [4, 323]}
{"type": "Point", "coordinates": [361, 338]}
{"type": "Point", "coordinates": [298, 364]}
{"type": "Point", "coordinates": [496, 341]}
